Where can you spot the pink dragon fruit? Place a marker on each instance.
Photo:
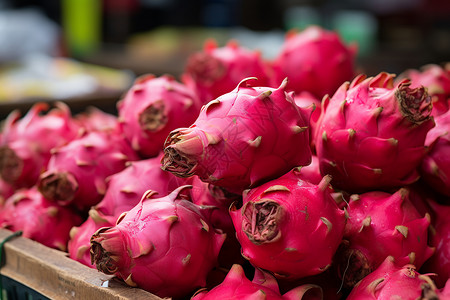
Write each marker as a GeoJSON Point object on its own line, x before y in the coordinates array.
{"type": "Point", "coordinates": [79, 244]}
{"type": "Point", "coordinates": [26, 142]}
{"type": "Point", "coordinates": [436, 79]}
{"type": "Point", "coordinates": [399, 233]}
{"type": "Point", "coordinates": [125, 188]}
{"type": "Point", "coordinates": [237, 286]}
{"type": "Point", "coordinates": [152, 108]}
{"type": "Point", "coordinates": [289, 226]}
{"type": "Point", "coordinates": [39, 219]}
{"type": "Point", "coordinates": [371, 134]}
{"type": "Point", "coordinates": [95, 119]}
{"type": "Point", "coordinates": [439, 263]}
{"type": "Point", "coordinates": [163, 245]}
{"type": "Point", "coordinates": [241, 139]}
{"type": "Point", "coordinates": [315, 60]}
{"type": "Point", "coordinates": [76, 173]}
{"type": "Point", "coordinates": [393, 279]}
{"type": "Point", "coordinates": [435, 167]}
{"type": "Point", "coordinates": [217, 70]}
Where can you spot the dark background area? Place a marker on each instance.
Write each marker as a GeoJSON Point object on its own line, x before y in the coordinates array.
{"type": "Point", "coordinates": [405, 33]}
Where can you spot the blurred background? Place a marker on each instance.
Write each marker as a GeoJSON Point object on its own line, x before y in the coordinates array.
{"type": "Point", "coordinates": [90, 51]}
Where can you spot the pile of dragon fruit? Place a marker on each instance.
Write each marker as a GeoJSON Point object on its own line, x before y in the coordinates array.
{"type": "Point", "coordinates": [298, 177]}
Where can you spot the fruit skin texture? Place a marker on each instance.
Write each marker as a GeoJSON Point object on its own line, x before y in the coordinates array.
{"type": "Point", "coordinates": [371, 134]}
{"type": "Point", "coordinates": [26, 142]}
{"type": "Point", "coordinates": [439, 263]}
{"type": "Point", "coordinates": [38, 218]}
{"type": "Point", "coordinates": [379, 225]}
{"type": "Point", "coordinates": [436, 79]}
{"type": "Point", "coordinates": [217, 70]}
{"type": "Point", "coordinates": [163, 245]}
{"type": "Point", "coordinates": [241, 139]}
{"type": "Point", "coordinates": [237, 286]}
{"type": "Point", "coordinates": [76, 173]}
{"type": "Point", "coordinates": [289, 226]}
{"type": "Point", "coordinates": [152, 108]}
{"type": "Point", "coordinates": [125, 188]}
{"type": "Point", "coordinates": [393, 279]}
{"type": "Point", "coordinates": [435, 166]}
{"type": "Point", "coordinates": [79, 243]}
{"type": "Point", "coordinates": [315, 60]}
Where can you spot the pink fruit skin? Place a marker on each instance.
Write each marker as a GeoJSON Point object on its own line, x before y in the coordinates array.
{"type": "Point", "coordinates": [39, 219]}
{"type": "Point", "coordinates": [305, 99]}
{"type": "Point", "coordinates": [435, 166]}
{"type": "Point", "coordinates": [439, 263]}
{"type": "Point", "coordinates": [217, 70]}
{"type": "Point", "coordinates": [241, 139]}
{"type": "Point", "coordinates": [371, 135]}
{"type": "Point", "coordinates": [26, 143]}
{"type": "Point", "coordinates": [94, 119]}
{"type": "Point", "coordinates": [163, 245]}
{"type": "Point", "coordinates": [392, 280]}
{"type": "Point", "coordinates": [289, 226]}
{"type": "Point", "coordinates": [125, 188]}
{"type": "Point", "coordinates": [79, 243]}
{"type": "Point", "coordinates": [436, 79]}
{"type": "Point", "coordinates": [152, 108]}
{"type": "Point", "coordinates": [389, 221]}
{"type": "Point", "coordinates": [76, 173]}
{"type": "Point", "coordinates": [237, 286]}
{"type": "Point", "coordinates": [315, 60]}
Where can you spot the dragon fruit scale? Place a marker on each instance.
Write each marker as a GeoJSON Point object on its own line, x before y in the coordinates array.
{"type": "Point", "coordinates": [152, 108]}
{"type": "Point", "coordinates": [166, 245]}
{"type": "Point", "coordinates": [315, 60]}
{"type": "Point", "coordinates": [217, 70]}
{"type": "Point", "coordinates": [381, 224]}
{"type": "Point", "coordinates": [241, 139]}
{"type": "Point", "coordinates": [393, 279]}
{"type": "Point", "coordinates": [26, 143]}
{"type": "Point", "coordinates": [371, 134]}
{"type": "Point", "coordinates": [76, 173]}
{"type": "Point", "coordinates": [39, 219]}
{"type": "Point", "coordinates": [237, 286]}
{"type": "Point", "coordinates": [289, 226]}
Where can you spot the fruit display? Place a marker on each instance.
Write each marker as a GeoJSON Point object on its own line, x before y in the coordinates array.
{"type": "Point", "coordinates": [298, 177]}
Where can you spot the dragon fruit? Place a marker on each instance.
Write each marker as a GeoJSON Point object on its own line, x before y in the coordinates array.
{"type": "Point", "coordinates": [315, 60]}
{"type": "Point", "coordinates": [436, 79]}
{"type": "Point", "coordinates": [399, 233]}
{"type": "Point", "coordinates": [237, 286]}
{"type": "Point", "coordinates": [435, 167]}
{"type": "Point", "coordinates": [152, 108]}
{"type": "Point", "coordinates": [125, 188]}
{"type": "Point", "coordinates": [393, 279]}
{"type": "Point", "coordinates": [26, 142]}
{"type": "Point", "coordinates": [79, 243]}
{"type": "Point", "coordinates": [95, 119]}
{"type": "Point", "coordinates": [371, 134]}
{"type": "Point", "coordinates": [439, 263]}
{"type": "Point", "coordinates": [217, 70]}
{"type": "Point", "coordinates": [39, 219]}
{"type": "Point", "coordinates": [76, 173]}
{"type": "Point", "coordinates": [164, 245]}
{"type": "Point", "coordinates": [305, 99]}
{"type": "Point", "coordinates": [6, 190]}
{"type": "Point", "coordinates": [241, 139]}
{"type": "Point", "coordinates": [289, 226]}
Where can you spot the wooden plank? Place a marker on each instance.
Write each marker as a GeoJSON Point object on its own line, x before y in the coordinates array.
{"type": "Point", "coordinates": [56, 276]}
